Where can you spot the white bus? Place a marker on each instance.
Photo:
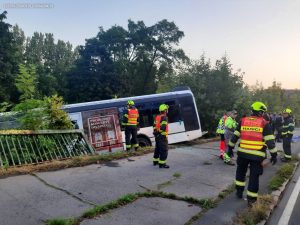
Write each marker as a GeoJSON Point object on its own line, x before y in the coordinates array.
{"type": "Point", "coordinates": [101, 120]}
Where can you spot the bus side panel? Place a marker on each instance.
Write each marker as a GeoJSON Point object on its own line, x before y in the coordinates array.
{"type": "Point", "coordinates": [177, 132]}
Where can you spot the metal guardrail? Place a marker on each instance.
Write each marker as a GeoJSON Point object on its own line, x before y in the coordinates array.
{"type": "Point", "coordinates": [21, 147]}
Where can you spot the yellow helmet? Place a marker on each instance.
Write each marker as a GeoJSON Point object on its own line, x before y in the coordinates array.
{"type": "Point", "coordinates": [163, 107]}
{"type": "Point", "coordinates": [259, 106]}
{"type": "Point", "coordinates": [130, 102]}
{"type": "Point", "coordinates": [287, 110]}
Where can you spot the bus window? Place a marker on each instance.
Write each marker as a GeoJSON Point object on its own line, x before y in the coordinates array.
{"type": "Point", "coordinates": [145, 118]}
{"type": "Point", "coordinates": [189, 114]}
{"type": "Point", "coordinates": [173, 112]}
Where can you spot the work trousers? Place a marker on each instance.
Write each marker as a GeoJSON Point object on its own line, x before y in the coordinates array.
{"type": "Point", "coordinates": [286, 144]}
{"type": "Point", "coordinates": [256, 170]}
{"type": "Point", "coordinates": [131, 137]}
{"type": "Point", "coordinates": [161, 149]}
{"type": "Point", "coordinates": [222, 145]}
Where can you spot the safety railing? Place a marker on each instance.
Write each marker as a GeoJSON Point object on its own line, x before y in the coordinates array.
{"type": "Point", "coordinates": [21, 147]}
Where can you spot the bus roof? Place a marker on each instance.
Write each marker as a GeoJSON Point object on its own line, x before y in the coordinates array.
{"type": "Point", "coordinates": [122, 100]}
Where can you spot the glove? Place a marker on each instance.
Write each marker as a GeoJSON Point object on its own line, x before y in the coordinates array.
{"type": "Point", "coordinates": [273, 159]}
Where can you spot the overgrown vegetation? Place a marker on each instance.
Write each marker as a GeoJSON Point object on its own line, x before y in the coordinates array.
{"type": "Point", "coordinates": [255, 214]}
{"type": "Point", "coordinates": [283, 173]}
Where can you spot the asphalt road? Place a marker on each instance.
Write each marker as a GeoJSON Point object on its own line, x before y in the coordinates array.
{"type": "Point", "coordinates": [287, 211]}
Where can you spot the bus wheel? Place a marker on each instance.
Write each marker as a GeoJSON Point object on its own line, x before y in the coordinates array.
{"type": "Point", "coordinates": [144, 142]}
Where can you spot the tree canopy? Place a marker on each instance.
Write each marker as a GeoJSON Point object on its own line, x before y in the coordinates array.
{"type": "Point", "coordinates": [121, 62]}
{"type": "Point", "coordinates": [125, 62]}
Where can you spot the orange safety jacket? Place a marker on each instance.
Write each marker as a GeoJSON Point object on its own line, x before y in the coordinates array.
{"type": "Point", "coordinates": [252, 139]}
{"type": "Point", "coordinates": [133, 116]}
{"type": "Point", "coordinates": [160, 121]}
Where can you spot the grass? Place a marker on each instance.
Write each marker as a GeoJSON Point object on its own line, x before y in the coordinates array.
{"type": "Point", "coordinates": [177, 175]}
{"type": "Point", "coordinates": [60, 222]}
{"type": "Point", "coordinates": [283, 173]}
{"type": "Point", "coordinates": [127, 199]}
{"type": "Point", "coordinates": [255, 214]}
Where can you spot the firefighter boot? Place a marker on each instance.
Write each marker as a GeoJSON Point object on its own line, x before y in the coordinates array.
{"type": "Point", "coordinates": [155, 163]}
{"type": "Point", "coordinates": [284, 159]}
{"type": "Point", "coordinates": [251, 201]}
{"type": "Point", "coordinates": [165, 166]}
{"type": "Point", "coordinates": [239, 193]}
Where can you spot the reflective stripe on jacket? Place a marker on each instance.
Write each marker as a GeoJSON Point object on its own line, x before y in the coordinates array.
{"type": "Point", "coordinates": [161, 125]}
{"type": "Point", "coordinates": [288, 126]}
{"type": "Point", "coordinates": [221, 125]}
{"type": "Point", "coordinates": [251, 134]}
{"type": "Point", "coordinates": [131, 117]}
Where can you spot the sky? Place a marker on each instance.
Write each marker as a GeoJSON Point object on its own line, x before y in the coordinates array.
{"type": "Point", "coordinates": [260, 37]}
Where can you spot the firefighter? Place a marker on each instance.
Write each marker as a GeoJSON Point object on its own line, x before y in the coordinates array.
{"type": "Point", "coordinates": [256, 135]}
{"type": "Point", "coordinates": [287, 134]}
{"type": "Point", "coordinates": [230, 127]}
{"type": "Point", "coordinates": [131, 122]}
{"type": "Point", "coordinates": [221, 131]}
{"type": "Point", "coordinates": [160, 131]}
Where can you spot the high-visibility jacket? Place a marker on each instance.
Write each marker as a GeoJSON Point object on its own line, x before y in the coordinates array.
{"type": "Point", "coordinates": [230, 124]}
{"type": "Point", "coordinates": [131, 117]}
{"type": "Point", "coordinates": [161, 125]}
{"type": "Point", "coordinates": [256, 134]}
{"type": "Point", "coordinates": [288, 127]}
{"type": "Point", "coordinates": [221, 125]}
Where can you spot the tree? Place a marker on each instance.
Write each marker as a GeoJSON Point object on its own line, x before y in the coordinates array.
{"type": "Point", "coordinates": [8, 62]}
{"type": "Point", "coordinates": [272, 96]}
{"type": "Point", "coordinates": [216, 88]}
{"type": "Point", "coordinates": [52, 61]}
{"type": "Point", "coordinates": [26, 82]}
{"type": "Point", "coordinates": [125, 62]}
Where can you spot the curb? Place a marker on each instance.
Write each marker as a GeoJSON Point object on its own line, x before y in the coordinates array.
{"type": "Point", "coordinates": [278, 194]}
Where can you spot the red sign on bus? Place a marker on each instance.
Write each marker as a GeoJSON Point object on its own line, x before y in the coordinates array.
{"type": "Point", "coordinates": [103, 128]}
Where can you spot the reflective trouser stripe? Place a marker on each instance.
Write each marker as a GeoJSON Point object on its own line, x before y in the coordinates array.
{"type": "Point", "coordinates": [219, 131]}
{"type": "Point", "coordinates": [287, 156]}
{"type": "Point", "coordinates": [231, 144]}
{"type": "Point", "coordinates": [269, 137]}
{"type": "Point", "coordinates": [240, 183]}
{"type": "Point", "coordinates": [155, 159]}
{"type": "Point", "coordinates": [237, 133]}
{"type": "Point", "coordinates": [162, 161]}
{"type": "Point", "coordinates": [128, 146]}
{"type": "Point", "coordinates": [273, 150]}
{"type": "Point", "coordinates": [252, 194]}
{"type": "Point", "coordinates": [136, 145]}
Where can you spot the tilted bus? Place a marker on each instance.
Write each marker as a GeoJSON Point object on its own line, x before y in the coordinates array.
{"type": "Point", "coordinates": [101, 120]}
